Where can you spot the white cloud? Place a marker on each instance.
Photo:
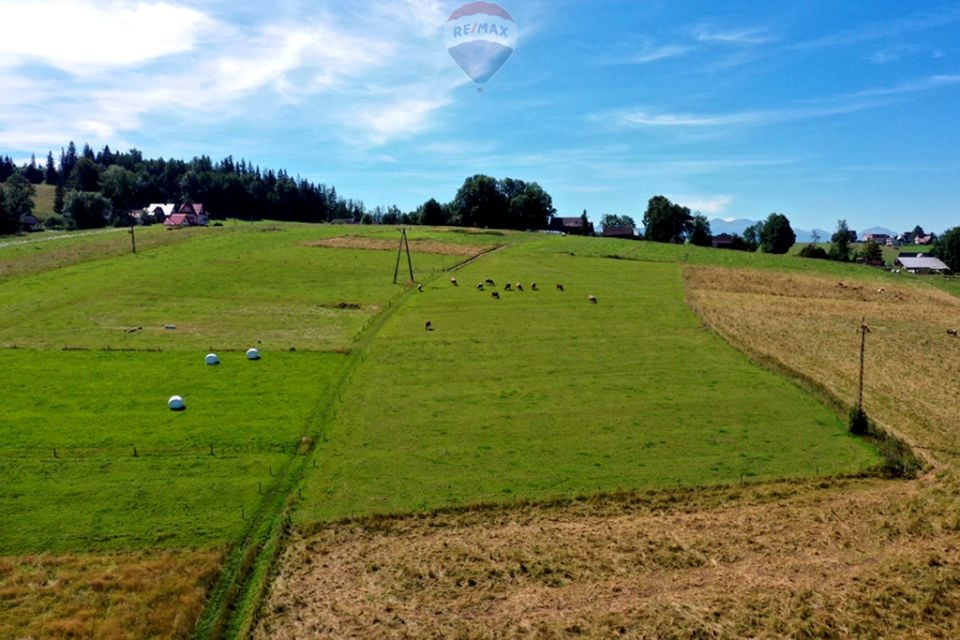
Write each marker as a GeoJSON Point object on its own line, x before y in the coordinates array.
{"type": "Point", "coordinates": [86, 35]}
{"type": "Point", "coordinates": [713, 205]}
{"type": "Point", "coordinates": [755, 36]}
{"type": "Point", "coordinates": [399, 118]}
{"type": "Point", "coordinates": [376, 74]}
{"type": "Point", "coordinates": [654, 54]}
{"type": "Point", "coordinates": [818, 108]}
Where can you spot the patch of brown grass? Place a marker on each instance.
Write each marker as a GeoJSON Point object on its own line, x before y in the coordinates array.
{"type": "Point", "coordinates": [419, 245]}
{"type": "Point", "coordinates": [790, 559]}
{"type": "Point", "coordinates": [809, 326]}
{"type": "Point", "coordinates": [132, 595]}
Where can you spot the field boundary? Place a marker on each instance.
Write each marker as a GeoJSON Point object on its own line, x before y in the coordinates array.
{"type": "Point", "coordinates": [234, 604]}
{"type": "Point", "coordinates": [813, 386]}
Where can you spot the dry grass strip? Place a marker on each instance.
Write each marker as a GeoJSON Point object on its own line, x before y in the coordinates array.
{"type": "Point", "coordinates": [809, 325]}
{"type": "Point", "coordinates": [834, 558]}
{"type": "Point", "coordinates": [118, 596]}
{"type": "Point", "coordinates": [381, 244]}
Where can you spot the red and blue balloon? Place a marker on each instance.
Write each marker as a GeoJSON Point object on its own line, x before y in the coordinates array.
{"type": "Point", "coordinates": [480, 37]}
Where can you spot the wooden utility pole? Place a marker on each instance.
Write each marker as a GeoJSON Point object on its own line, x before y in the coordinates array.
{"type": "Point", "coordinates": [404, 244]}
{"type": "Point", "coordinates": [864, 330]}
{"type": "Point", "coordinates": [133, 238]}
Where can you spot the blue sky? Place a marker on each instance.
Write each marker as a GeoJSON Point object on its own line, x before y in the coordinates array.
{"type": "Point", "coordinates": [819, 110]}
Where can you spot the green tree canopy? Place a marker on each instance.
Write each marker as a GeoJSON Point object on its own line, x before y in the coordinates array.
{"type": "Point", "coordinates": [87, 210]}
{"type": "Point", "coordinates": [777, 235]}
{"type": "Point", "coordinates": [432, 213]}
{"type": "Point", "coordinates": [872, 253]}
{"type": "Point", "coordinates": [85, 176]}
{"type": "Point", "coordinates": [665, 221]}
{"type": "Point", "coordinates": [20, 195]}
{"type": "Point", "coordinates": [947, 249]}
{"type": "Point", "coordinates": [700, 234]}
{"type": "Point", "coordinates": [8, 223]}
{"type": "Point", "coordinates": [610, 220]}
{"type": "Point", "coordinates": [483, 201]}
{"type": "Point", "coordinates": [119, 186]}
{"type": "Point", "coordinates": [840, 247]}
{"type": "Point", "coordinates": [751, 236]}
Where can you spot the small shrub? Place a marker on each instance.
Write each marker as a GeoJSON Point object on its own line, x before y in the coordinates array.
{"type": "Point", "coordinates": [899, 460]}
{"type": "Point", "coordinates": [55, 222]}
{"type": "Point", "coordinates": [813, 251]}
{"type": "Point", "coordinates": [859, 422]}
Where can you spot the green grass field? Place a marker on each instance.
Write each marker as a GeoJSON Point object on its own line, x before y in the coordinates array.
{"type": "Point", "coordinates": [542, 394]}
{"type": "Point", "coordinates": [83, 394]}
{"type": "Point", "coordinates": [355, 409]}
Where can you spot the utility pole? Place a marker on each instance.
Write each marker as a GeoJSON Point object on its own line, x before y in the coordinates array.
{"type": "Point", "coordinates": [864, 330]}
{"type": "Point", "coordinates": [133, 238]}
{"type": "Point", "coordinates": [404, 244]}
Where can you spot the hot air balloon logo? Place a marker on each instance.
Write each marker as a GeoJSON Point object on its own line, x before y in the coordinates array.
{"type": "Point", "coordinates": [480, 37]}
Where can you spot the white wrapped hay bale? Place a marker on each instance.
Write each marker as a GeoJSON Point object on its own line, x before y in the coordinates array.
{"type": "Point", "coordinates": [253, 354]}
{"type": "Point", "coordinates": [212, 359]}
{"type": "Point", "coordinates": [176, 403]}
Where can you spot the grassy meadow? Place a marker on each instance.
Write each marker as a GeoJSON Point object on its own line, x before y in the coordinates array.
{"type": "Point", "coordinates": [541, 394]}
{"type": "Point", "coordinates": [356, 409]}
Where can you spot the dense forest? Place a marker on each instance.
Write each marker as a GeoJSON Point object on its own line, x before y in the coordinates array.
{"type": "Point", "coordinates": [95, 189]}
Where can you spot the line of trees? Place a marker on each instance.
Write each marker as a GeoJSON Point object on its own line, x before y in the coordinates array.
{"type": "Point", "coordinates": [665, 221]}
{"type": "Point", "coordinates": [94, 189]}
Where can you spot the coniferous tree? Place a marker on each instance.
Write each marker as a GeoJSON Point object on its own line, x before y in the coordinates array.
{"type": "Point", "coordinates": [50, 175]}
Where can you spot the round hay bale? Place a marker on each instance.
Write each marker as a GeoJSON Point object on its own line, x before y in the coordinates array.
{"type": "Point", "coordinates": [176, 403]}
{"type": "Point", "coordinates": [212, 359]}
{"type": "Point", "coordinates": [253, 354]}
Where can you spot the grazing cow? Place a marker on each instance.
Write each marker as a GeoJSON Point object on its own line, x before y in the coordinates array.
{"type": "Point", "coordinates": [534, 286]}
{"type": "Point", "coordinates": [491, 282]}
{"type": "Point", "coordinates": [480, 286]}
{"type": "Point", "coordinates": [519, 287]}
{"type": "Point", "coordinates": [495, 295]}
{"type": "Point", "coordinates": [592, 299]}
{"type": "Point", "coordinates": [559, 287]}
{"type": "Point", "coordinates": [507, 287]}
{"type": "Point", "coordinates": [454, 282]}
{"type": "Point", "coordinates": [428, 326]}
{"type": "Point", "coordinates": [881, 290]}
{"type": "Point", "coordinates": [952, 332]}
{"type": "Point", "coordinates": [419, 287]}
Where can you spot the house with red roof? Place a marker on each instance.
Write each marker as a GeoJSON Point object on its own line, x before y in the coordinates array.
{"type": "Point", "coordinates": [188, 215]}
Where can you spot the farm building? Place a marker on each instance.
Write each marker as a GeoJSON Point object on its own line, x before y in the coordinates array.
{"type": "Point", "coordinates": [573, 226]}
{"type": "Point", "coordinates": [722, 241]}
{"type": "Point", "coordinates": [188, 215]}
{"type": "Point", "coordinates": [29, 224]}
{"type": "Point", "coordinates": [922, 264]}
{"type": "Point", "coordinates": [628, 232]}
{"type": "Point", "coordinates": [160, 212]}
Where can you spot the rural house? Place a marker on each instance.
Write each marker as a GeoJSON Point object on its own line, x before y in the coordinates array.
{"type": "Point", "coordinates": [722, 241]}
{"type": "Point", "coordinates": [573, 226]}
{"type": "Point", "coordinates": [922, 264]}
{"type": "Point", "coordinates": [188, 215]}
{"type": "Point", "coordinates": [30, 224]}
{"type": "Point", "coordinates": [160, 212]}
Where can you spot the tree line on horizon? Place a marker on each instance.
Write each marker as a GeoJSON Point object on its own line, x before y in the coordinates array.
{"type": "Point", "coordinates": [96, 189]}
